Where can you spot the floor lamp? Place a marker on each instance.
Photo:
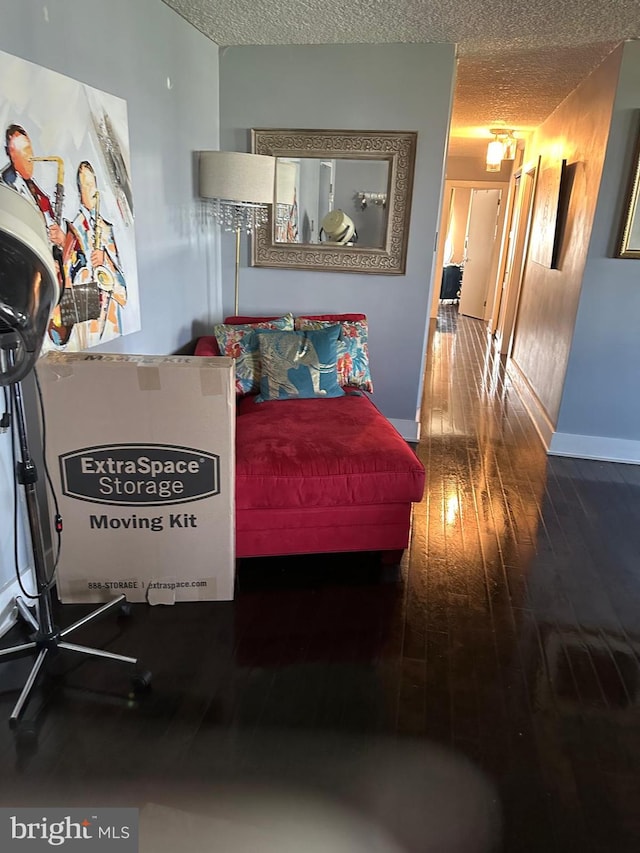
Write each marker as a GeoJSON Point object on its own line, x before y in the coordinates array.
{"type": "Point", "coordinates": [29, 291]}
{"type": "Point", "coordinates": [239, 188]}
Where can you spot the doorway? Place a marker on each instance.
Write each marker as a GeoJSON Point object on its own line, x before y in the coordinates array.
{"type": "Point", "coordinates": [480, 241]}
{"type": "Point", "coordinates": [451, 248]}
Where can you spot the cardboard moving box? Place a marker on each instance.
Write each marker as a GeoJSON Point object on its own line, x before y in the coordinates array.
{"type": "Point", "coordinates": [142, 455]}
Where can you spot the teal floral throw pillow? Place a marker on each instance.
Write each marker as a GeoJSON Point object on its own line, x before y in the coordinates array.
{"type": "Point", "coordinates": [353, 350]}
{"type": "Point", "coordinates": [241, 343]}
{"type": "Point", "coordinates": [299, 365]}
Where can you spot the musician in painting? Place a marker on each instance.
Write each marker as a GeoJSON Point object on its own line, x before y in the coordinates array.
{"type": "Point", "coordinates": [18, 174]}
{"type": "Point", "coordinates": [92, 259]}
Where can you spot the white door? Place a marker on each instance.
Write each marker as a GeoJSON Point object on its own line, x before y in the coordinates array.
{"type": "Point", "coordinates": [481, 234]}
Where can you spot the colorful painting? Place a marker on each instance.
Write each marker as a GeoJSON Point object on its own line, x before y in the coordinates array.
{"type": "Point", "coordinates": [67, 151]}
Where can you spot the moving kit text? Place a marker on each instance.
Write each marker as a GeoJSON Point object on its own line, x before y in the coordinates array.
{"type": "Point", "coordinates": [175, 520]}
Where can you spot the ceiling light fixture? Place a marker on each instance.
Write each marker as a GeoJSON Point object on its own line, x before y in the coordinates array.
{"type": "Point", "coordinates": [502, 147]}
{"type": "Point", "coordinates": [495, 152]}
{"type": "Point", "coordinates": [510, 146]}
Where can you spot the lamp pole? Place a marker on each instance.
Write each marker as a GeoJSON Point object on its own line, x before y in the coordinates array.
{"type": "Point", "coordinates": [237, 281]}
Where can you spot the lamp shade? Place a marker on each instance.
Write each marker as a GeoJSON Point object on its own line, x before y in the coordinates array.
{"type": "Point", "coordinates": [237, 177]}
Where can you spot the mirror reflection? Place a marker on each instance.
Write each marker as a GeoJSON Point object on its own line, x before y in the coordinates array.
{"type": "Point", "coordinates": [338, 201]}
{"type": "Point", "coordinates": [342, 203]}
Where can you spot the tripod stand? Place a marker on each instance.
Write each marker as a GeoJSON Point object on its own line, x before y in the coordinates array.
{"type": "Point", "coordinates": [47, 639]}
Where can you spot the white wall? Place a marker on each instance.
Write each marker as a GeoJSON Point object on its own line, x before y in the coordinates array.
{"type": "Point", "coordinates": [130, 48]}
{"type": "Point", "coordinates": [388, 87]}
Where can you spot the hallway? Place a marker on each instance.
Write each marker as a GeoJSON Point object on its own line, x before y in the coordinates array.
{"type": "Point", "coordinates": [522, 633]}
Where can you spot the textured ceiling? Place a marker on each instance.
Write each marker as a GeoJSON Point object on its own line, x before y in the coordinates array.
{"type": "Point", "coordinates": [516, 62]}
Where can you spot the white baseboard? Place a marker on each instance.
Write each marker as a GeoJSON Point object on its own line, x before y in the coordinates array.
{"type": "Point", "coordinates": [409, 430]}
{"type": "Point", "coordinates": [595, 447]}
{"type": "Point", "coordinates": [7, 596]}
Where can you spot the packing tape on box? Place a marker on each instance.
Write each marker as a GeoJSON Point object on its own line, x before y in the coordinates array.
{"type": "Point", "coordinates": [149, 378]}
{"type": "Point", "coordinates": [59, 369]}
{"type": "Point", "coordinates": [211, 382]}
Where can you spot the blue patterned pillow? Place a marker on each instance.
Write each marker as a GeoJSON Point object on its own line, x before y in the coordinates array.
{"type": "Point", "coordinates": [298, 365]}
{"type": "Point", "coordinates": [353, 351]}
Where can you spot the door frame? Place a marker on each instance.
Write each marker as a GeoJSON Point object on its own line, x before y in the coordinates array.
{"type": "Point", "coordinates": [449, 185]}
{"type": "Point", "coordinates": [521, 219]}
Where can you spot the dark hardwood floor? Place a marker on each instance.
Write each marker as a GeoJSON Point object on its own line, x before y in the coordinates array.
{"type": "Point", "coordinates": [481, 697]}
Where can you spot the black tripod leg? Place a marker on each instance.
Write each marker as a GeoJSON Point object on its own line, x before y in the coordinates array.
{"type": "Point", "coordinates": [26, 690]}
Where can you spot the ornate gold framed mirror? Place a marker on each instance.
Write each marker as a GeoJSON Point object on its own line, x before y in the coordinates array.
{"type": "Point", "coordinates": [342, 200]}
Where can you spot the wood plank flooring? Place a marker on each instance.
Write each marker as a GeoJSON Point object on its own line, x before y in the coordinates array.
{"type": "Point", "coordinates": [483, 697]}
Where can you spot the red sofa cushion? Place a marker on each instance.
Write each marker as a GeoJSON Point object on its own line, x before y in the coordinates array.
{"type": "Point", "coordinates": [321, 453]}
{"type": "Point", "coordinates": [207, 346]}
{"type": "Point", "coordinates": [333, 318]}
{"type": "Point", "coordinates": [239, 320]}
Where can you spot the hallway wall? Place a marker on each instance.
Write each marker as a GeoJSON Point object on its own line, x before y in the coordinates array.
{"type": "Point", "coordinates": [577, 131]}
{"type": "Point", "coordinates": [600, 410]}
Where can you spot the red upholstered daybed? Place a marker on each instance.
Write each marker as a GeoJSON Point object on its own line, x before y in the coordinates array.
{"type": "Point", "coordinates": [320, 475]}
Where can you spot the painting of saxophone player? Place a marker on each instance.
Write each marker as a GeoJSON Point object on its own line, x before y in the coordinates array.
{"type": "Point", "coordinates": [19, 175]}
{"type": "Point", "coordinates": [92, 265]}
{"type": "Point", "coordinates": [74, 165]}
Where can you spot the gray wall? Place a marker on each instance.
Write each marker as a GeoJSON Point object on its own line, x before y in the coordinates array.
{"type": "Point", "coordinates": [601, 393]}
{"type": "Point", "coordinates": [129, 48]}
{"type": "Point", "coordinates": [393, 87]}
